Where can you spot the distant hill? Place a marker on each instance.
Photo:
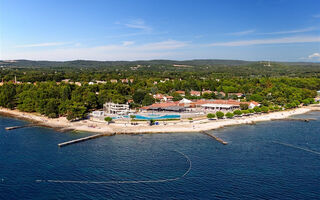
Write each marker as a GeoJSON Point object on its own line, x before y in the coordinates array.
{"type": "Point", "coordinates": [205, 66]}
{"type": "Point", "coordinates": [89, 63]}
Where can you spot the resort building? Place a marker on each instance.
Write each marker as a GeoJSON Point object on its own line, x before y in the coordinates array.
{"type": "Point", "coordinates": [162, 98]}
{"type": "Point", "coordinates": [114, 108]}
{"type": "Point", "coordinates": [198, 106]}
{"type": "Point", "coordinates": [170, 107]}
{"type": "Point", "coordinates": [252, 104]}
{"type": "Point", "coordinates": [219, 107]}
{"type": "Point", "coordinates": [206, 91]}
{"type": "Point", "coordinates": [185, 103]}
{"type": "Point", "coordinates": [124, 80]}
{"type": "Point", "coordinates": [182, 93]}
{"type": "Point", "coordinates": [65, 80]}
{"type": "Point", "coordinates": [195, 93]}
{"type": "Point", "coordinates": [98, 113]}
{"type": "Point", "coordinates": [77, 83]}
{"type": "Point", "coordinates": [239, 95]}
{"type": "Point", "coordinates": [101, 82]}
{"type": "Point", "coordinates": [222, 94]}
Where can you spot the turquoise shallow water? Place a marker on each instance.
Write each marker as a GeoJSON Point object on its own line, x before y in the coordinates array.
{"type": "Point", "coordinates": [153, 116]}
{"type": "Point", "coordinates": [256, 164]}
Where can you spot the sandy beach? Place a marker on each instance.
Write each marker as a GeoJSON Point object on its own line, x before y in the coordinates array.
{"type": "Point", "coordinates": [196, 125]}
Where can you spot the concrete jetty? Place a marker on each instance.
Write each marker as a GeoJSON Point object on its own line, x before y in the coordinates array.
{"type": "Point", "coordinates": [298, 119]}
{"type": "Point", "coordinates": [215, 137]}
{"type": "Point", "coordinates": [17, 127]}
{"type": "Point", "coordinates": [84, 139]}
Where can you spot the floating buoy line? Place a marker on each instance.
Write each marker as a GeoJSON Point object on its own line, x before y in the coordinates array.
{"type": "Point", "coordinates": [297, 147]}
{"type": "Point", "coordinates": [126, 181]}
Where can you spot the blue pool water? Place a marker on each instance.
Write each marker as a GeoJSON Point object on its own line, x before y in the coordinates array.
{"type": "Point", "coordinates": [154, 116]}
{"type": "Point", "coordinates": [256, 164]}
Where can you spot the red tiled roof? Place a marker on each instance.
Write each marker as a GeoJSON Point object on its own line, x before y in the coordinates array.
{"type": "Point", "coordinates": [237, 94]}
{"type": "Point", "coordinates": [206, 91]}
{"type": "Point", "coordinates": [218, 101]}
{"type": "Point", "coordinates": [180, 92]}
{"type": "Point", "coordinates": [254, 103]}
{"type": "Point", "coordinates": [222, 93]}
{"type": "Point", "coordinates": [230, 102]}
{"type": "Point", "coordinates": [163, 105]}
{"type": "Point", "coordinates": [145, 107]}
{"type": "Point", "coordinates": [158, 96]}
{"type": "Point", "coordinates": [194, 92]}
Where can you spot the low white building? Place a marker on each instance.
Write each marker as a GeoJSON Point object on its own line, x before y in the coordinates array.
{"type": "Point", "coordinates": [115, 108]}
{"type": "Point", "coordinates": [98, 113]}
{"type": "Point", "coordinates": [220, 107]}
{"type": "Point", "coordinates": [253, 104]}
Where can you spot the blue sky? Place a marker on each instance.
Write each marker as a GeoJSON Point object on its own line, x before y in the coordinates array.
{"type": "Point", "coordinates": [281, 30]}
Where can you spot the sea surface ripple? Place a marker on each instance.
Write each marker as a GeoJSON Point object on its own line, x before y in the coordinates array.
{"type": "Point", "coordinates": [269, 160]}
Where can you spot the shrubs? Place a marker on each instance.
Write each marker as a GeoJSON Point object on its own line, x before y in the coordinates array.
{"type": "Point", "coordinates": [151, 122]}
{"type": "Point", "coordinates": [219, 114]}
{"type": "Point", "coordinates": [305, 102]}
{"type": "Point", "coordinates": [52, 115]}
{"type": "Point", "coordinates": [211, 115]}
{"type": "Point", "coordinates": [264, 109]}
{"type": "Point", "coordinates": [271, 108]}
{"type": "Point", "coordinates": [290, 105]}
{"type": "Point", "coordinates": [237, 112]}
{"type": "Point", "coordinates": [229, 115]}
{"type": "Point", "coordinates": [277, 108]}
{"type": "Point", "coordinates": [311, 100]}
{"type": "Point", "coordinates": [244, 106]}
{"type": "Point", "coordinates": [245, 112]}
{"type": "Point", "coordinates": [108, 119]}
{"type": "Point", "coordinates": [257, 109]}
{"type": "Point", "coordinates": [296, 102]}
{"type": "Point", "coordinates": [308, 101]}
{"type": "Point", "coordinates": [251, 110]}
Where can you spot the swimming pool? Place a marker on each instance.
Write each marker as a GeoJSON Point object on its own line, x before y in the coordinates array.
{"type": "Point", "coordinates": [150, 116]}
{"type": "Point", "coordinates": [155, 117]}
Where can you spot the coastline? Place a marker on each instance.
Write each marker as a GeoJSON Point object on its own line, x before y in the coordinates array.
{"type": "Point", "coordinates": [62, 124]}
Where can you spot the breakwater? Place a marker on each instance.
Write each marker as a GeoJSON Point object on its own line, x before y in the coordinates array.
{"type": "Point", "coordinates": [215, 137]}
{"type": "Point", "coordinates": [84, 139]}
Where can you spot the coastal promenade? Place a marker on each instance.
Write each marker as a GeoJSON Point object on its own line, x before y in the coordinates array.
{"type": "Point", "coordinates": [197, 125]}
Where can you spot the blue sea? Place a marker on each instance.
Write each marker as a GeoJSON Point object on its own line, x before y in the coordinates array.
{"type": "Point", "coordinates": [269, 160]}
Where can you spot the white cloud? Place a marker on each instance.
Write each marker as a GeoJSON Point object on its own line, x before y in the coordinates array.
{"type": "Point", "coordinates": [164, 45]}
{"type": "Point", "coordinates": [127, 43]}
{"type": "Point", "coordinates": [246, 32]}
{"type": "Point", "coordinates": [314, 55]}
{"type": "Point", "coordinates": [138, 24]}
{"type": "Point", "coordinates": [285, 40]}
{"type": "Point", "coordinates": [157, 50]}
{"type": "Point", "coordinates": [289, 31]}
{"type": "Point", "coordinates": [316, 16]}
{"type": "Point", "coordinates": [47, 44]}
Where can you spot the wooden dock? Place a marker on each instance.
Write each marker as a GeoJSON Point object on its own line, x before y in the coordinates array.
{"type": "Point", "coordinates": [216, 138]}
{"type": "Point", "coordinates": [84, 139]}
